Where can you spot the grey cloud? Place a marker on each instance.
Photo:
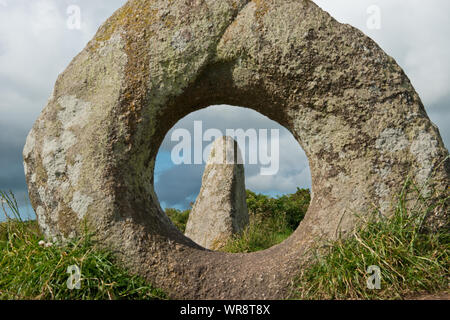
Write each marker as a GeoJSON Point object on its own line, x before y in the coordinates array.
{"type": "Point", "coordinates": [12, 177]}
{"type": "Point", "coordinates": [439, 113]}
{"type": "Point", "coordinates": [179, 185]}
{"type": "Point", "coordinates": [35, 46]}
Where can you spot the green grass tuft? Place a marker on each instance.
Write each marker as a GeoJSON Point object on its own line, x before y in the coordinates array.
{"type": "Point", "coordinates": [410, 261]}
{"type": "Point", "coordinates": [31, 271]}
{"type": "Point", "coordinates": [272, 220]}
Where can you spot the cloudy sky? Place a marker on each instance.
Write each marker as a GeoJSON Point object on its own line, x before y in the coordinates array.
{"type": "Point", "coordinates": [38, 38]}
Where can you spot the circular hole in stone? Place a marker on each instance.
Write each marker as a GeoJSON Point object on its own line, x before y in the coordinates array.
{"type": "Point", "coordinates": [275, 194]}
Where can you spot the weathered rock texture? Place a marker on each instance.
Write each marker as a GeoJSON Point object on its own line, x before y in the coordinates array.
{"type": "Point", "coordinates": [220, 210]}
{"type": "Point", "coordinates": [90, 155]}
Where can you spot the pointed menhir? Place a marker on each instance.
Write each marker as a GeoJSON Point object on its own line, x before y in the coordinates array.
{"type": "Point", "coordinates": [220, 210]}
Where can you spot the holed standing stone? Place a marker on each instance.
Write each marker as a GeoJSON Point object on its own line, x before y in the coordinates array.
{"type": "Point", "coordinates": [89, 158]}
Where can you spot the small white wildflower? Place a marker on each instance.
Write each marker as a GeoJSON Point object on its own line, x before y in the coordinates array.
{"type": "Point", "coordinates": [41, 243]}
{"type": "Point", "coordinates": [48, 244]}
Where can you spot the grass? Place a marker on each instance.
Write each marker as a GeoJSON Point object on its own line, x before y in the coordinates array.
{"type": "Point", "coordinates": [272, 220]}
{"type": "Point", "coordinates": [31, 271]}
{"type": "Point", "coordinates": [410, 261]}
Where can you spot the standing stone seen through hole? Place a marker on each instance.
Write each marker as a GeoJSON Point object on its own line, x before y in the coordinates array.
{"type": "Point", "coordinates": [220, 210]}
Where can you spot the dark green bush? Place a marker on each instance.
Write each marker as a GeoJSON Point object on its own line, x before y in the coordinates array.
{"type": "Point", "coordinates": [178, 217]}
{"type": "Point", "coordinates": [272, 220]}
{"type": "Point", "coordinates": [291, 208]}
